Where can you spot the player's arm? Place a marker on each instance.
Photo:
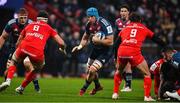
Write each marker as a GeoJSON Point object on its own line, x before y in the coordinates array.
{"type": "Point", "coordinates": [83, 43]}
{"type": "Point", "coordinates": [3, 38]}
{"type": "Point", "coordinates": [60, 41]}
{"type": "Point", "coordinates": [21, 37]}
{"type": "Point", "coordinates": [159, 41]}
{"type": "Point", "coordinates": [116, 45]}
{"type": "Point", "coordinates": [108, 41]}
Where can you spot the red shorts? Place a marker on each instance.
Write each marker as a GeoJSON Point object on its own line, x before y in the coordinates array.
{"type": "Point", "coordinates": [131, 55]}
{"type": "Point", "coordinates": [34, 55]}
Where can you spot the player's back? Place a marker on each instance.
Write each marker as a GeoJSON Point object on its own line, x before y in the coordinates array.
{"type": "Point", "coordinates": [134, 34]}
{"type": "Point", "coordinates": [36, 34]}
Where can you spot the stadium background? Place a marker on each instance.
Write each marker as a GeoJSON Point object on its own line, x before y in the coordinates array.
{"type": "Point", "coordinates": [69, 19]}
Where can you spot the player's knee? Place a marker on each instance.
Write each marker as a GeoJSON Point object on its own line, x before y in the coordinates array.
{"type": "Point", "coordinates": [10, 63]}
{"type": "Point", "coordinates": [95, 66]}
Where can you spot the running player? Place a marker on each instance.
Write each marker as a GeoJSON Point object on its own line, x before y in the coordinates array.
{"type": "Point", "coordinates": [99, 32]}
{"type": "Point", "coordinates": [12, 31]}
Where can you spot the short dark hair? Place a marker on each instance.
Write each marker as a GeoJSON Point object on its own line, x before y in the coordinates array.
{"type": "Point", "coordinates": [167, 49]}
{"type": "Point", "coordinates": [43, 14]}
{"type": "Point", "coordinates": [23, 11]}
{"type": "Point", "coordinates": [125, 6]}
{"type": "Point", "coordinates": [134, 17]}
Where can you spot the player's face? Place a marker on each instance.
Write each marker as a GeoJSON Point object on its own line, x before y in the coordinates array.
{"type": "Point", "coordinates": [124, 13]}
{"type": "Point", "coordinates": [168, 55]}
{"type": "Point", "coordinates": [22, 19]}
{"type": "Point", "coordinates": [92, 19]}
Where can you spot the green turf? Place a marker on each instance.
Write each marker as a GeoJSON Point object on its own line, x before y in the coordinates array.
{"type": "Point", "coordinates": [66, 90]}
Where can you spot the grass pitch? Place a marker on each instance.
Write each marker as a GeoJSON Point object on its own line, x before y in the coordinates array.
{"type": "Point", "coordinates": [67, 90]}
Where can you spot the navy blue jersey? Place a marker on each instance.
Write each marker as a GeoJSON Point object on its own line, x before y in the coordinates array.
{"type": "Point", "coordinates": [119, 25]}
{"type": "Point", "coordinates": [176, 57]}
{"type": "Point", "coordinates": [100, 25]}
{"type": "Point", "coordinates": [13, 28]}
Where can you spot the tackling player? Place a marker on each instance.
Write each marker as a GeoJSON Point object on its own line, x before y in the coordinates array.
{"type": "Point", "coordinates": [12, 30]}
{"type": "Point", "coordinates": [130, 41]}
{"type": "Point", "coordinates": [101, 47]}
{"type": "Point", "coordinates": [31, 44]}
{"type": "Point", "coordinates": [120, 24]}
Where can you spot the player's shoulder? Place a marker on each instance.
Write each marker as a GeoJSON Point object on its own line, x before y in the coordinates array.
{"type": "Point", "coordinates": [118, 20]}
{"type": "Point", "coordinates": [103, 21]}
{"type": "Point", "coordinates": [29, 21]}
{"type": "Point", "coordinates": [12, 21]}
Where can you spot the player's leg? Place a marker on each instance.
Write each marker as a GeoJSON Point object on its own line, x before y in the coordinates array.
{"type": "Point", "coordinates": [87, 83]}
{"type": "Point", "coordinates": [147, 79]}
{"type": "Point", "coordinates": [11, 70]}
{"type": "Point", "coordinates": [37, 66]}
{"type": "Point", "coordinates": [98, 65]}
{"type": "Point", "coordinates": [118, 79]}
{"type": "Point", "coordinates": [7, 66]}
{"type": "Point", "coordinates": [128, 78]}
{"type": "Point", "coordinates": [175, 95]}
{"type": "Point", "coordinates": [156, 83]}
{"type": "Point", "coordinates": [29, 67]}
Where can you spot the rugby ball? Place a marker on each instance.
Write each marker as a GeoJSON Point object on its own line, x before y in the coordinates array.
{"type": "Point", "coordinates": [100, 35]}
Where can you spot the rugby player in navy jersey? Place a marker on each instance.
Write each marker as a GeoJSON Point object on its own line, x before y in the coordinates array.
{"type": "Point", "coordinates": [11, 32]}
{"type": "Point", "coordinates": [102, 47]}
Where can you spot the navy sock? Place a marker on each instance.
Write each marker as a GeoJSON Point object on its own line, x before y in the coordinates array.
{"type": "Point", "coordinates": [86, 85]}
{"type": "Point", "coordinates": [36, 84]}
{"type": "Point", "coordinates": [128, 79]}
{"type": "Point", "coordinates": [96, 82]}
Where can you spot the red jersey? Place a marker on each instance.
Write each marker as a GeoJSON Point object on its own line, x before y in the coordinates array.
{"type": "Point", "coordinates": [36, 34]}
{"type": "Point", "coordinates": [155, 67]}
{"type": "Point", "coordinates": [134, 34]}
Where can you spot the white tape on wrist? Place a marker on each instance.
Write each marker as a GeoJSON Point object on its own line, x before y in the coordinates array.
{"type": "Point", "coordinates": [80, 46]}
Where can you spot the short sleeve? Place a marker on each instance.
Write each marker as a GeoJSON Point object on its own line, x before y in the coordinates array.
{"type": "Point", "coordinates": [8, 28]}
{"type": "Point", "coordinates": [53, 32]}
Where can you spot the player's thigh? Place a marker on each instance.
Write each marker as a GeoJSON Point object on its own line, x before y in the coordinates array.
{"type": "Point", "coordinates": [18, 56]}
{"type": "Point", "coordinates": [37, 62]}
{"type": "Point", "coordinates": [127, 68]}
{"type": "Point", "coordinates": [27, 64]}
{"type": "Point", "coordinates": [143, 66]}
{"type": "Point", "coordinates": [122, 62]}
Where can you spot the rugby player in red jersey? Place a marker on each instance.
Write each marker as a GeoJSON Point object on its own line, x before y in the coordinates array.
{"type": "Point", "coordinates": [120, 24]}
{"type": "Point", "coordinates": [31, 44]}
{"type": "Point", "coordinates": [130, 41]}
{"type": "Point", "coordinates": [11, 32]}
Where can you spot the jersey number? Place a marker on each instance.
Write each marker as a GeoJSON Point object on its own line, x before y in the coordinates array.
{"type": "Point", "coordinates": [133, 32]}
{"type": "Point", "coordinates": [36, 28]}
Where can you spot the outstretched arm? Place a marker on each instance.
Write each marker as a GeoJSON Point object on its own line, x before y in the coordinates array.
{"type": "Point", "coordinates": [159, 41]}
{"type": "Point", "coordinates": [116, 45]}
{"type": "Point", "coordinates": [82, 44]}
{"type": "Point", "coordinates": [3, 38]}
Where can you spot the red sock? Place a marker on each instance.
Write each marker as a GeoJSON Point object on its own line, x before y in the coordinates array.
{"type": "Point", "coordinates": [178, 91]}
{"type": "Point", "coordinates": [147, 86]}
{"type": "Point", "coordinates": [156, 84]}
{"type": "Point", "coordinates": [30, 76]}
{"type": "Point", "coordinates": [117, 82]}
{"type": "Point", "coordinates": [11, 71]}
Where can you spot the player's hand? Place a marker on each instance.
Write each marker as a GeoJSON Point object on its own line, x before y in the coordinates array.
{"type": "Point", "coordinates": [63, 49]}
{"type": "Point", "coordinates": [76, 48]}
{"type": "Point", "coordinates": [95, 40]}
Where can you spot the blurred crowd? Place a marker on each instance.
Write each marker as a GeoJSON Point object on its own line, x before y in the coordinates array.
{"type": "Point", "coordinates": [68, 18]}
